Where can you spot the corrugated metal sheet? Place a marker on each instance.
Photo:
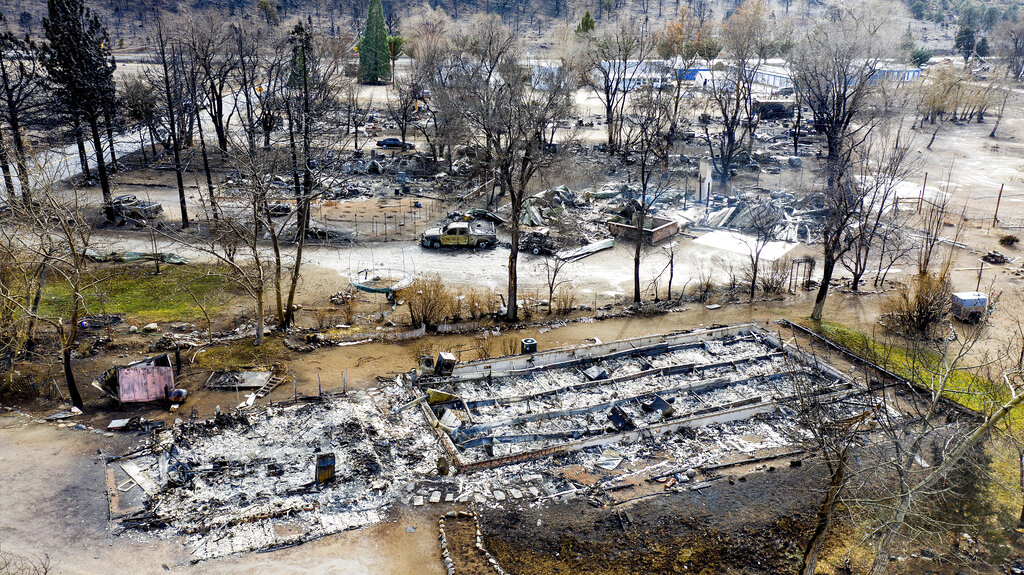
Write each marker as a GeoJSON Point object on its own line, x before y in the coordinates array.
{"type": "Point", "coordinates": [144, 383]}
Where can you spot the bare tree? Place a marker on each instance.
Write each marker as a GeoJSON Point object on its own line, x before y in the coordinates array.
{"type": "Point", "coordinates": [176, 97]}
{"type": "Point", "coordinates": [21, 99]}
{"type": "Point", "coordinates": [833, 67]}
{"type": "Point", "coordinates": [883, 166]}
{"type": "Point", "coordinates": [401, 103]}
{"type": "Point", "coordinates": [904, 486]}
{"type": "Point", "coordinates": [553, 267]}
{"type": "Point", "coordinates": [647, 135]}
{"type": "Point", "coordinates": [764, 219]}
{"type": "Point", "coordinates": [260, 75]}
{"type": "Point", "coordinates": [615, 60]}
{"type": "Point", "coordinates": [685, 42]}
{"type": "Point", "coordinates": [141, 101]}
{"type": "Point", "coordinates": [487, 85]}
{"type": "Point", "coordinates": [208, 41]}
{"type": "Point", "coordinates": [835, 425]}
{"type": "Point", "coordinates": [51, 237]}
{"type": "Point", "coordinates": [354, 109]}
{"type": "Point", "coordinates": [932, 223]}
{"type": "Point", "coordinates": [748, 37]}
{"type": "Point", "coordinates": [1009, 38]}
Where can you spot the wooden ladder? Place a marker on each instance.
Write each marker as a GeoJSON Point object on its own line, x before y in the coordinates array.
{"type": "Point", "coordinates": [271, 384]}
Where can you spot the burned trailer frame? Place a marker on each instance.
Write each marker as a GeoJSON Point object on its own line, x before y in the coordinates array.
{"type": "Point", "coordinates": [457, 440]}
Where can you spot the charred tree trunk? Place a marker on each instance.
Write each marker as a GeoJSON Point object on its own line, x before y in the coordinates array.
{"type": "Point", "coordinates": [80, 141]}
{"type": "Point", "coordinates": [819, 301]}
{"type": "Point", "coordinates": [175, 147]}
{"type": "Point", "coordinates": [67, 340]}
{"type": "Point", "coordinates": [640, 217]}
{"type": "Point", "coordinates": [5, 167]}
{"type": "Point", "coordinates": [206, 168]}
{"type": "Point", "coordinates": [824, 520]}
{"type": "Point", "coordinates": [110, 140]}
{"type": "Point", "coordinates": [512, 311]}
{"type": "Point", "coordinates": [101, 167]}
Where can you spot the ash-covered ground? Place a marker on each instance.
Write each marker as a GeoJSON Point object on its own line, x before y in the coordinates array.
{"type": "Point", "coordinates": [247, 481]}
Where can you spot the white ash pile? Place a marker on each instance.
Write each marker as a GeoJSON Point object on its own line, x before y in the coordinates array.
{"type": "Point", "coordinates": [247, 482]}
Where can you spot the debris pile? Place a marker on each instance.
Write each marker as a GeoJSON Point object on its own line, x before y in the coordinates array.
{"type": "Point", "coordinates": [493, 413]}
{"type": "Point", "coordinates": [520, 430]}
{"type": "Point", "coordinates": [247, 482]}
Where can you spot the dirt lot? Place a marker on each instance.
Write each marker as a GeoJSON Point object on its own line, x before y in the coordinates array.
{"type": "Point", "coordinates": [54, 487]}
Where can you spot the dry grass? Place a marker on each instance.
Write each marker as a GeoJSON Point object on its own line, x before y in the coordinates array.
{"type": "Point", "coordinates": [919, 308]}
{"type": "Point", "coordinates": [565, 299]}
{"type": "Point", "coordinates": [429, 301]}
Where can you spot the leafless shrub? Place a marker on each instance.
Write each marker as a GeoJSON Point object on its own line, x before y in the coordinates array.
{"type": "Point", "coordinates": [429, 301]}
{"type": "Point", "coordinates": [347, 312]}
{"type": "Point", "coordinates": [499, 346]}
{"type": "Point", "coordinates": [471, 299]}
{"type": "Point", "coordinates": [918, 309]}
{"type": "Point", "coordinates": [491, 302]}
{"type": "Point", "coordinates": [529, 304]}
{"type": "Point", "coordinates": [775, 275]}
{"type": "Point", "coordinates": [565, 299]}
{"type": "Point", "coordinates": [11, 564]}
{"type": "Point", "coordinates": [703, 284]}
{"type": "Point", "coordinates": [1009, 240]}
{"type": "Point", "coordinates": [729, 268]}
{"type": "Point", "coordinates": [509, 345]}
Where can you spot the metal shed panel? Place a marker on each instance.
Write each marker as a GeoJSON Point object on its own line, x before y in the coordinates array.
{"type": "Point", "coordinates": [144, 383]}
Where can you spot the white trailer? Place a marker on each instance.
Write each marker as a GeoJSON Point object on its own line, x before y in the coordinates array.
{"type": "Point", "coordinates": [969, 306]}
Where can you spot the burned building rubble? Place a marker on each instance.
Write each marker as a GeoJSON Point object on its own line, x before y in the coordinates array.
{"type": "Point", "coordinates": [249, 481]}
{"type": "Point", "coordinates": [493, 432]}
{"type": "Point", "coordinates": [495, 412]}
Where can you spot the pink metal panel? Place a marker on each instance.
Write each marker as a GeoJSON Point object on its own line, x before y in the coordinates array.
{"type": "Point", "coordinates": [144, 383]}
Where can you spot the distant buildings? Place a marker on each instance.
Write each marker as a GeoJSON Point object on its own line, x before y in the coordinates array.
{"type": "Point", "coordinates": [773, 75]}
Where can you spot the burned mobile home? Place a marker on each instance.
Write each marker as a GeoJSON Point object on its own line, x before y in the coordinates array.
{"type": "Point", "coordinates": [494, 412]}
{"type": "Point", "coordinates": [495, 433]}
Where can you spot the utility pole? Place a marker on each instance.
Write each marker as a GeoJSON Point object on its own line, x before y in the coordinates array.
{"type": "Point", "coordinates": [920, 200]}
{"type": "Point", "coordinates": [999, 199]}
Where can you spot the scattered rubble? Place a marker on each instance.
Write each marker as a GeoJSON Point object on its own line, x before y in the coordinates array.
{"type": "Point", "coordinates": [496, 433]}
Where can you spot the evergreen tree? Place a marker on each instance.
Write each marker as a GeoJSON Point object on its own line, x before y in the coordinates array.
{"type": "Point", "coordinates": [374, 55]}
{"type": "Point", "coordinates": [586, 24]}
{"type": "Point", "coordinates": [81, 72]}
{"type": "Point", "coordinates": [964, 42]}
{"type": "Point", "coordinates": [21, 103]}
{"type": "Point", "coordinates": [920, 56]}
{"type": "Point", "coordinates": [302, 45]}
{"type": "Point", "coordinates": [981, 48]}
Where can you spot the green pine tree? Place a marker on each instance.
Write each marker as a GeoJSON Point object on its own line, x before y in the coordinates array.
{"type": "Point", "coordinates": [302, 46]}
{"type": "Point", "coordinates": [374, 55]}
{"type": "Point", "coordinates": [80, 67]}
{"type": "Point", "coordinates": [586, 24]}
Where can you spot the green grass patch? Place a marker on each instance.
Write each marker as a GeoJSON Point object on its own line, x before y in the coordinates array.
{"type": "Point", "coordinates": [923, 367]}
{"type": "Point", "coordinates": [142, 296]}
{"type": "Point", "coordinates": [242, 354]}
{"type": "Point", "coordinates": [964, 387]}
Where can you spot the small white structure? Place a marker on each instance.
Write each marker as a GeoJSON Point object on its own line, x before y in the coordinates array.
{"type": "Point", "coordinates": [969, 306]}
{"type": "Point", "coordinates": [777, 77]}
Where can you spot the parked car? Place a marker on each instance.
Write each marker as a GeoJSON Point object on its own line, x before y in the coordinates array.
{"type": "Point", "coordinates": [475, 234]}
{"type": "Point", "coordinates": [388, 143]}
{"type": "Point", "coordinates": [536, 241]}
{"type": "Point", "coordinates": [277, 210]}
{"type": "Point", "coordinates": [129, 207]}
